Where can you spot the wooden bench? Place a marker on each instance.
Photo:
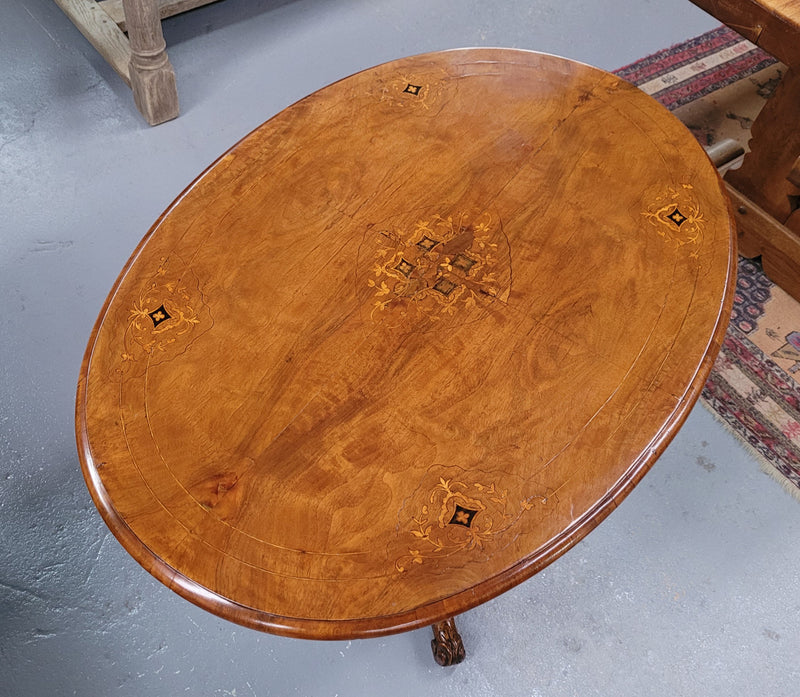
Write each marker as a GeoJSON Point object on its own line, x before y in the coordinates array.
{"type": "Point", "coordinates": [140, 58]}
{"type": "Point", "coordinates": [765, 190]}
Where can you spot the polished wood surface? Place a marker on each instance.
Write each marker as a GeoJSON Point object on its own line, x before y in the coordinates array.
{"type": "Point", "coordinates": [406, 343]}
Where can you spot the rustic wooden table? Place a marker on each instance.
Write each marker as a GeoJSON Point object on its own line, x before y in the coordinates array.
{"type": "Point", "coordinates": [406, 343]}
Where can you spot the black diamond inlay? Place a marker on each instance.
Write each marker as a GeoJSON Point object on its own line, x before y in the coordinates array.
{"type": "Point", "coordinates": [427, 243]}
{"type": "Point", "coordinates": [463, 262]}
{"type": "Point", "coordinates": [158, 316]}
{"type": "Point", "coordinates": [462, 516]}
{"type": "Point", "coordinates": [412, 89]}
{"type": "Point", "coordinates": [405, 267]}
{"type": "Point", "coordinates": [444, 286]}
{"type": "Point", "coordinates": [677, 217]}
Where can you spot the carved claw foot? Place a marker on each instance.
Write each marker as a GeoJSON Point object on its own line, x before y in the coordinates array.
{"type": "Point", "coordinates": [448, 649]}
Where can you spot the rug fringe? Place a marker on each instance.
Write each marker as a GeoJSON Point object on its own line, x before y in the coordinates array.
{"type": "Point", "coordinates": [765, 465]}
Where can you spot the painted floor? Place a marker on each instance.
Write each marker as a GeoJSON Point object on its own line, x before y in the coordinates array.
{"type": "Point", "coordinates": [689, 588]}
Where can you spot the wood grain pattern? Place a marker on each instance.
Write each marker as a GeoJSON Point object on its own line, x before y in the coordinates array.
{"type": "Point", "coordinates": [406, 343]}
{"type": "Point", "coordinates": [152, 76]}
{"type": "Point", "coordinates": [166, 8]}
{"type": "Point", "coordinates": [99, 29]}
{"type": "Point", "coordinates": [761, 235]}
{"type": "Point", "coordinates": [766, 189]}
{"type": "Point", "coordinates": [771, 24]}
{"type": "Point", "coordinates": [764, 176]}
{"type": "Point", "coordinates": [139, 58]}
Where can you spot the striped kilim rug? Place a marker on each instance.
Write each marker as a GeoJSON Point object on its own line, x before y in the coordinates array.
{"type": "Point", "coordinates": [716, 84]}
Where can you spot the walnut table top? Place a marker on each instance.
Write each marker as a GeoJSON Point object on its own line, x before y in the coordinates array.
{"type": "Point", "coordinates": [406, 343]}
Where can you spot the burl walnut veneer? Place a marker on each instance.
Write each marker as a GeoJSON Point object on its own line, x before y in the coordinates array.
{"type": "Point", "coordinates": [406, 343]}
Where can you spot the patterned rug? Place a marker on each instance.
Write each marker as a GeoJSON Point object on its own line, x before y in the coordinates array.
{"type": "Point", "coordinates": [716, 84]}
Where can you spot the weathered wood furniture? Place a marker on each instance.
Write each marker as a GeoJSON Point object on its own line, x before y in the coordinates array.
{"type": "Point", "coordinates": [140, 58]}
{"type": "Point", "coordinates": [406, 343]}
{"type": "Point", "coordinates": [766, 189]}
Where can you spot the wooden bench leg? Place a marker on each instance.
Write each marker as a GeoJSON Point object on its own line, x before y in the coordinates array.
{"type": "Point", "coordinates": [765, 190]}
{"type": "Point", "coordinates": [152, 77]}
{"type": "Point", "coordinates": [764, 176]}
{"type": "Point", "coordinates": [448, 649]}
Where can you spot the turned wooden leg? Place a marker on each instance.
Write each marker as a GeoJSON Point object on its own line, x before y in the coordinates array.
{"type": "Point", "coordinates": [448, 649]}
{"type": "Point", "coordinates": [152, 76]}
{"type": "Point", "coordinates": [765, 190]}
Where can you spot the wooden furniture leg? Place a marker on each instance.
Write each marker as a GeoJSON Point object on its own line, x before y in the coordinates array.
{"type": "Point", "coordinates": [448, 649]}
{"type": "Point", "coordinates": [774, 148]}
{"type": "Point", "coordinates": [139, 58]}
{"type": "Point", "coordinates": [151, 74]}
{"type": "Point", "coordinates": [764, 191]}
{"type": "Point", "coordinates": [761, 235]}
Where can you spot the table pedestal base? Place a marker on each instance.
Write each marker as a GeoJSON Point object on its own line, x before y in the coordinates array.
{"type": "Point", "coordinates": [448, 649]}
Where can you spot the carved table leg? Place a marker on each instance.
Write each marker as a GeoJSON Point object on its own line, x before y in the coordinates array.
{"type": "Point", "coordinates": [152, 76]}
{"type": "Point", "coordinates": [448, 649]}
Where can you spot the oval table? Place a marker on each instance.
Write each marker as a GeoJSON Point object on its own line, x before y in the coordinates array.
{"type": "Point", "coordinates": [406, 343]}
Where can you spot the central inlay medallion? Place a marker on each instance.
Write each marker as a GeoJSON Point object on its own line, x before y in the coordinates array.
{"type": "Point", "coordinates": [437, 264]}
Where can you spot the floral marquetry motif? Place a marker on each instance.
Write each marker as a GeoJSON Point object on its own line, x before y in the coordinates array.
{"type": "Point", "coordinates": [439, 265]}
{"type": "Point", "coordinates": [457, 516]}
{"type": "Point", "coordinates": [676, 216]}
{"type": "Point", "coordinates": [161, 315]}
{"type": "Point", "coordinates": [167, 315]}
{"type": "Point", "coordinates": [420, 92]}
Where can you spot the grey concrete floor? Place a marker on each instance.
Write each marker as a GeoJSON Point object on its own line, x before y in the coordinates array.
{"type": "Point", "coordinates": [689, 588]}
